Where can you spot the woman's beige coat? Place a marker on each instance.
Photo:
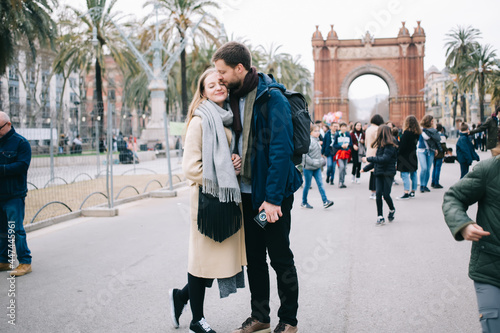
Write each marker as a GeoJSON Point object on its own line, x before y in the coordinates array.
{"type": "Point", "coordinates": [370, 137]}
{"type": "Point", "coordinates": [208, 258]}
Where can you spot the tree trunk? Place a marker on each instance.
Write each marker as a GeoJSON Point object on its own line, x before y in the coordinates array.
{"type": "Point", "coordinates": [481, 97]}
{"type": "Point", "coordinates": [99, 102]}
{"type": "Point", "coordinates": [455, 102]}
{"type": "Point", "coordinates": [59, 116]}
{"type": "Point", "coordinates": [184, 84]}
{"type": "Point", "coordinates": [463, 102]}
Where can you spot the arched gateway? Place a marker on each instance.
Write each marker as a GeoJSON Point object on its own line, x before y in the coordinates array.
{"type": "Point", "coordinates": [398, 61]}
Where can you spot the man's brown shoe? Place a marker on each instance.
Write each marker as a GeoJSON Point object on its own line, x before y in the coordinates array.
{"type": "Point", "coordinates": [21, 270]}
{"type": "Point", "coordinates": [252, 325]}
{"type": "Point", "coordinates": [285, 328]}
{"type": "Point", "coordinates": [4, 266]}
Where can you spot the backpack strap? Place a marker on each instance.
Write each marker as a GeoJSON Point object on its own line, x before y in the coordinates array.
{"type": "Point", "coordinates": [263, 108]}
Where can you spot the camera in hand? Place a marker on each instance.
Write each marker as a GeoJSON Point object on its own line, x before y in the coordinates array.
{"type": "Point", "coordinates": [261, 219]}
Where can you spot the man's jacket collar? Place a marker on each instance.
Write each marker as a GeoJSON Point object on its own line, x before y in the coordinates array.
{"type": "Point", "coordinates": [8, 135]}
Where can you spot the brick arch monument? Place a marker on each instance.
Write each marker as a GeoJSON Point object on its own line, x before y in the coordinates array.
{"type": "Point", "coordinates": [398, 61]}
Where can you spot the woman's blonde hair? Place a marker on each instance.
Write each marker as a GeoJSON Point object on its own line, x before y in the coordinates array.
{"type": "Point", "coordinates": [411, 124]}
{"type": "Point", "coordinates": [198, 97]}
{"type": "Point", "coordinates": [427, 121]}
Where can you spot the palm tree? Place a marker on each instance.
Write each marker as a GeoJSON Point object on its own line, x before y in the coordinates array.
{"type": "Point", "coordinates": [460, 42]}
{"type": "Point", "coordinates": [25, 20]}
{"type": "Point", "coordinates": [291, 71]}
{"type": "Point", "coordinates": [478, 70]}
{"type": "Point", "coordinates": [99, 25]}
{"type": "Point", "coordinates": [494, 87]}
{"type": "Point", "coordinates": [181, 16]}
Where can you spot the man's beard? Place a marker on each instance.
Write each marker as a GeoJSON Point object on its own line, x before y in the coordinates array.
{"type": "Point", "coordinates": [234, 85]}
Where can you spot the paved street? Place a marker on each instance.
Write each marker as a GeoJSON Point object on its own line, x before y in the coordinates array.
{"type": "Point", "coordinates": [113, 274]}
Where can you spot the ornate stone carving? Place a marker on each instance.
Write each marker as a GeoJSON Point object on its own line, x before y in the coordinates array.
{"type": "Point", "coordinates": [404, 48]}
{"type": "Point", "coordinates": [332, 51]}
{"type": "Point", "coordinates": [420, 49]}
{"type": "Point", "coordinates": [368, 51]}
{"type": "Point", "coordinates": [368, 39]}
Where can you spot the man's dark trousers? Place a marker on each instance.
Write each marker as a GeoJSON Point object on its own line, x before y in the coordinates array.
{"type": "Point", "coordinates": [13, 211]}
{"type": "Point", "coordinates": [274, 238]}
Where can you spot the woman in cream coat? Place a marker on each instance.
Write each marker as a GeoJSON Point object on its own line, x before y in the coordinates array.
{"type": "Point", "coordinates": [370, 137]}
{"type": "Point", "coordinates": [209, 259]}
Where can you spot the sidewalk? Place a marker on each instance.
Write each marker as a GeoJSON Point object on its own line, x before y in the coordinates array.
{"type": "Point", "coordinates": [113, 274]}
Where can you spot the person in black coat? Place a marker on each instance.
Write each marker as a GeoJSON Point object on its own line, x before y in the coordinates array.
{"type": "Point", "coordinates": [407, 156]}
{"type": "Point", "coordinates": [384, 163]}
{"type": "Point", "coordinates": [465, 151]}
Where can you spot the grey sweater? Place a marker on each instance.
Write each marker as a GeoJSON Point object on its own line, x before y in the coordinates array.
{"type": "Point", "coordinates": [313, 159]}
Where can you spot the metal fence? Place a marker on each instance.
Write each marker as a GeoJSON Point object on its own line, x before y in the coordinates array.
{"type": "Point", "coordinates": [70, 173]}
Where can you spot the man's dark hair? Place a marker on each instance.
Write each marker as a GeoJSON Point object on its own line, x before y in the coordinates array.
{"type": "Point", "coordinates": [234, 53]}
{"type": "Point", "coordinates": [464, 127]}
{"type": "Point", "coordinates": [439, 127]}
{"type": "Point", "coordinates": [377, 120]}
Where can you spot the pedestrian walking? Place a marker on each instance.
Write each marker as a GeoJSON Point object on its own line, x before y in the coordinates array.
{"type": "Point", "coordinates": [216, 240]}
{"type": "Point", "coordinates": [15, 158]}
{"type": "Point", "coordinates": [384, 165]}
{"type": "Point", "coordinates": [429, 144]}
{"type": "Point", "coordinates": [326, 151]}
{"type": "Point", "coordinates": [438, 159]}
{"type": "Point", "coordinates": [407, 156]}
{"type": "Point", "coordinates": [313, 162]}
{"type": "Point", "coordinates": [343, 143]}
{"type": "Point", "coordinates": [268, 180]}
{"type": "Point", "coordinates": [465, 150]}
{"type": "Point", "coordinates": [490, 126]}
{"type": "Point", "coordinates": [358, 150]}
{"type": "Point", "coordinates": [481, 185]}
{"type": "Point", "coordinates": [371, 135]}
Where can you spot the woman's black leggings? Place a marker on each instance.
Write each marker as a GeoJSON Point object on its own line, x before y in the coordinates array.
{"type": "Point", "coordinates": [384, 186]}
{"type": "Point", "coordinates": [356, 164]}
{"type": "Point", "coordinates": [194, 291]}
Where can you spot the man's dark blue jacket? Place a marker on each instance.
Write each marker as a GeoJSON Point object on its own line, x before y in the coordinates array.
{"type": "Point", "coordinates": [327, 142]}
{"type": "Point", "coordinates": [15, 158]}
{"type": "Point", "coordinates": [465, 150]}
{"type": "Point", "coordinates": [274, 176]}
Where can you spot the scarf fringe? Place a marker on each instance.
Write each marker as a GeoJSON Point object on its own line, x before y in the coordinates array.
{"type": "Point", "coordinates": [225, 194]}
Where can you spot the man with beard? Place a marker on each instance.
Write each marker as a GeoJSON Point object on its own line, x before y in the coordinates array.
{"type": "Point", "coordinates": [268, 180]}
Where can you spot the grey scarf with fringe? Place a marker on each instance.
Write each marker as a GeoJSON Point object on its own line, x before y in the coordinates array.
{"type": "Point", "coordinates": [219, 177]}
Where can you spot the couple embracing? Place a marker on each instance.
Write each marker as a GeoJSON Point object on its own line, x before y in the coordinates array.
{"type": "Point", "coordinates": [239, 164]}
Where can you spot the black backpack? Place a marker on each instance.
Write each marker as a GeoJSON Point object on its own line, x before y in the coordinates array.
{"type": "Point", "coordinates": [301, 121]}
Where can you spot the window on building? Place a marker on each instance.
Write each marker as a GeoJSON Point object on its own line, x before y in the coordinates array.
{"type": "Point", "coordinates": [13, 73]}
{"type": "Point", "coordinates": [72, 82]}
{"type": "Point", "coordinates": [73, 97]}
{"type": "Point", "coordinates": [30, 75]}
{"type": "Point", "coordinates": [13, 92]}
{"type": "Point", "coordinates": [44, 77]}
{"type": "Point", "coordinates": [111, 95]}
{"type": "Point", "coordinates": [14, 109]}
{"type": "Point", "coordinates": [45, 112]}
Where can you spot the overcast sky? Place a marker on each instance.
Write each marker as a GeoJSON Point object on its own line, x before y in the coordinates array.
{"type": "Point", "coordinates": [291, 23]}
